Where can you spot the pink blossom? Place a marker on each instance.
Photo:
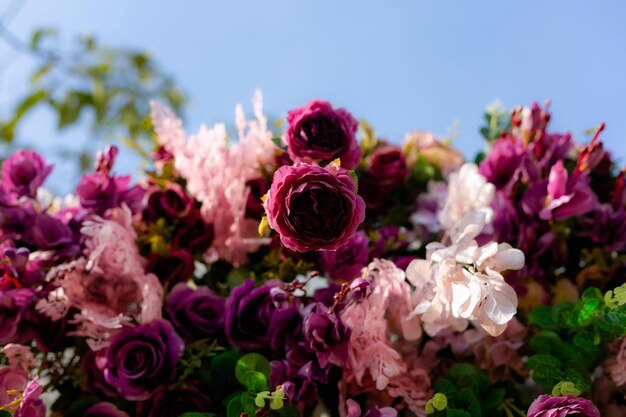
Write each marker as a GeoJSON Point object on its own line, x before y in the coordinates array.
{"type": "Point", "coordinates": [217, 175]}
{"type": "Point", "coordinates": [616, 365]}
{"type": "Point", "coordinates": [468, 191]}
{"type": "Point", "coordinates": [20, 357]}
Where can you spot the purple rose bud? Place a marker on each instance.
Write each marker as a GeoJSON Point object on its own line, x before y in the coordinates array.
{"type": "Point", "coordinates": [314, 208]}
{"type": "Point", "coordinates": [196, 314]}
{"type": "Point", "coordinates": [141, 359]}
{"type": "Point", "coordinates": [171, 203]}
{"type": "Point", "coordinates": [347, 261]}
{"type": "Point", "coordinates": [549, 406]}
{"type": "Point", "coordinates": [360, 288]}
{"type": "Point", "coordinates": [176, 267]}
{"type": "Point", "coordinates": [173, 401]}
{"type": "Point", "coordinates": [319, 133]}
{"type": "Point", "coordinates": [104, 409]}
{"type": "Point", "coordinates": [194, 234]}
{"type": "Point", "coordinates": [23, 173]}
{"type": "Point", "coordinates": [326, 335]}
{"type": "Point", "coordinates": [258, 318]}
{"type": "Point", "coordinates": [106, 159]}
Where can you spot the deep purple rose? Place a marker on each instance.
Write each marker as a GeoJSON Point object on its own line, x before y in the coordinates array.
{"type": "Point", "coordinates": [260, 318]}
{"type": "Point", "coordinates": [549, 406]}
{"type": "Point", "coordinates": [196, 314]}
{"type": "Point", "coordinates": [171, 203]}
{"type": "Point", "coordinates": [174, 401]}
{"type": "Point", "coordinates": [319, 133]}
{"type": "Point", "coordinates": [347, 261]}
{"type": "Point", "coordinates": [23, 173]}
{"type": "Point", "coordinates": [193, 234]}
{"type": "Point", "coordinates": [104, 409]}
{"type": "Point", "coordinates": [93, 365]}
{"type": "Point", "coordinates": [177, 266]}
{"type": "Point", "coordinates": [326, 335]}
{"type": "Point", "coordinates": [14, 305]}
{"type": "Point", "coordinates": [314, 208]}
{"type": "Point", "coordinates": [354, 410]}
{"type": "Point", "coordinates": [141, 359]}
{"type": "Point", "coordinates": [49, 232]}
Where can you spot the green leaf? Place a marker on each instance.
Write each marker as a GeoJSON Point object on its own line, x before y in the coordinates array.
{"type": "Point", "coordinates": [546, 341]}
{"type": "Point", "coordinates": [5, 413]}
{"type": "Point", "coordinates": [541, 316]}
{"type": "Point", "coordinates": [249, 365]}
{"type": "Point", "coordinates": [254, 381]}
{"type": "Point", "coordinates": [469, 402]}
{"type": "Point", "coordinates": [492, 401]}
{"type": "Point", "coordinates": [234, 407]}
{"type": "Point", "coordinates": [279, 143]}
{"type": "Point", "coordinates": [444, 386]}
{"type": "Point", "coordinates": [289, 410]}
{"type": "Point", "coordinates": [248, 403]}
{"type": "Point", "coordinates": [196, 414]}
{"type": "Point", "coordinates": [452, 412]}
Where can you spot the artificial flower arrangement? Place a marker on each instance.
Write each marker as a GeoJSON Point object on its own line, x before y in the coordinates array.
{"type": "Point", "coordinates": [311, 273]}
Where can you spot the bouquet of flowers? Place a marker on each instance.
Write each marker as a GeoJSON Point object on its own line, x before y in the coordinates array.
{"type": "Point", "coordinates": [319, 271]}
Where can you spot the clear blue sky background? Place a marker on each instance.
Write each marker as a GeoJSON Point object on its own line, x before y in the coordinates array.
{"type": "Point", "coordinates": [401, 64]}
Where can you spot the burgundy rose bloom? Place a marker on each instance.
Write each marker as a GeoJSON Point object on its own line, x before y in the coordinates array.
{"type": "Point", "coordinates": [319, 133]}
{"type": "Point", "coordinates": [326, 335]}
{"type": "Point", "coordinates": [314, 208]}
{"type": "Point", "coordinates": [23, 173]}
{"type": "Point", "coordinates": [174, 401]}
{"type": "Point", "coordinates": [49, 232]}
{"type": "Point", "coordinates": [254, 205]}
{"type": "Point", "coordinates": [260, 318]}
{"type": "Point", "coordinates": [549, 406]}
{"type": "Point", "coordinates": [347, 261]}
{"type": "Point", "coordinates": [104, 409]}
{"type": "Point", "coordinates": [193, 234]}
{"type": "Point", "coordinates": [99, 193]}
{"type": "Point", "coordinates": [142, 358]}
{"type": "Point", "coordinates": [196, 314]}
{"type": "Point", "coordinates": [176, 267]}
{"type": "Point", "coordinates": [171, 203]}
{"type": "Point", "coordinates": [388, 166]}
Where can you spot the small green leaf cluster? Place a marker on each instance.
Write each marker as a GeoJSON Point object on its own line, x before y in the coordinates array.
{"type": "Point", "coordinates": [465, 391]}
{"type": "Point", "coordinates": [573, 337]}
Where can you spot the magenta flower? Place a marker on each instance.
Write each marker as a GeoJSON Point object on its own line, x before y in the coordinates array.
{"type": "Point", "coordinates": [23, 173]}
{"type": "Point", "coordinates": [196, 314]}
{"type": "Point", "coordinates": [549, 406]}
{"type": "Point", "coordinates": [567, 196]}
{"type": "Point", "coordinates": [326, 335]}
{"type": "Point", "coordinates": [31, 405]}
{"type": "Point", "coordinates": [319, 133]}
{"type": "Point", "coordinates": [314, 208]}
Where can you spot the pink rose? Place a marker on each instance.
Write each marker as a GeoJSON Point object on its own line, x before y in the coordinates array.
{"type": "Point", "coordinates": [314, 208]}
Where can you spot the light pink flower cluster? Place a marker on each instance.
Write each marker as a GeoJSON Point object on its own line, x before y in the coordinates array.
{"type": "Point", "coordinates": [372, 354]}
{"type": "Point", "coordinates": [468, 191]}
{"type": "Point", "coordinates": [462, 282]}
{"type": "Point", "coordinates": [217, 173]}
{"type": "Point", "coordinates": [108, 286]}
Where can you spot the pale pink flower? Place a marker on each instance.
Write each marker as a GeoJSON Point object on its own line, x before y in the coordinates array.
{"type": "Point", "coordinates": [110, 247]}
{"type": "Point", "coordinates": [414, 389]}
{"type": "Point", "coordinates": [468, 191]}
{"type": "Point", "coordinates": [370, 350]}
{"type": "Point", "coordinates": [216, 175]}
{"type": "Point", "coordinates": [616, 365]}
{"type": "Point", "coordinates": [461, 282]}
{"type": "Point", "coordinates": [499, 356]}
{"type": "Point", "coordinates": [20, 357]}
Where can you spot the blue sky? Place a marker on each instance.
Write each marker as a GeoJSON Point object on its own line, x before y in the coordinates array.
{"type": "Point", "coordinates": [401, 64]}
